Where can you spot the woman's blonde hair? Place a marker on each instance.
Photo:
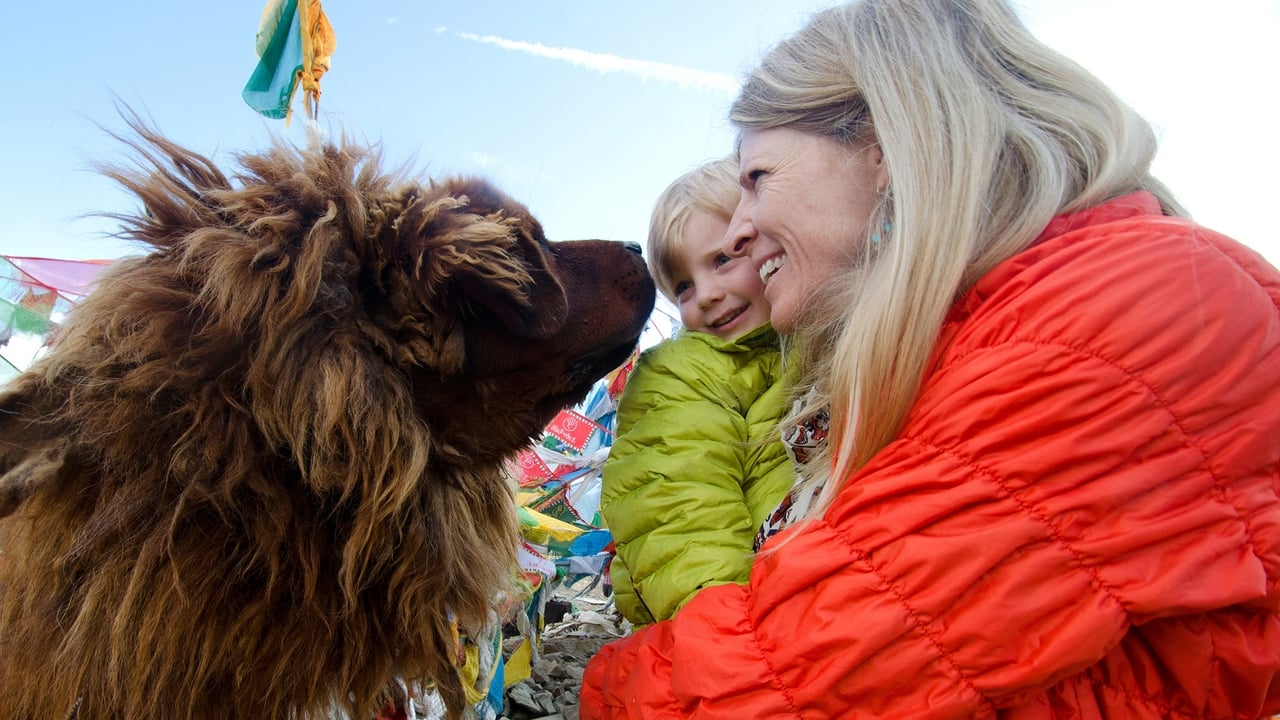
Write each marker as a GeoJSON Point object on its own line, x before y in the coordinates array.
{"type": "Point", "coordinates": [987, 134]}
{"type": "Point", "coordinates": [712, 188]}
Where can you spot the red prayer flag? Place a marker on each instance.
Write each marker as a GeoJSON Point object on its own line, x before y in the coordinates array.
{"type": "Point", "coordinates": [532, 470]}
{"type": "Point", "coordinates": [572, 428]}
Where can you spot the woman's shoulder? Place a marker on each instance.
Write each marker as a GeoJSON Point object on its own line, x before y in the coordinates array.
{"type": "Point", "coordinates": [1153, 299]}
{"type": "Point", "coordinates": [1124, 278]}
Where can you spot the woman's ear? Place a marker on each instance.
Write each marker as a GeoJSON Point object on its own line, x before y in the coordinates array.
{"type": "Point", "coordinates": [881, 168]}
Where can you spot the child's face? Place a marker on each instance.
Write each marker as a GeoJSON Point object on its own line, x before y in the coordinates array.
{"type": "Point", "coordinates": [717, 294]}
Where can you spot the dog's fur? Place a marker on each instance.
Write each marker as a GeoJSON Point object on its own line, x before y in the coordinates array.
{"type": "Point", "coordinates": [262, 465]}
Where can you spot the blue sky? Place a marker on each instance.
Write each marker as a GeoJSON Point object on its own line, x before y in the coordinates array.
{"type": "Point", "coordinates": [584, 110]}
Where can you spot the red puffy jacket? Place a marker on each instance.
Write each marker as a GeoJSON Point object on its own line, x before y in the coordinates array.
{"type": "Point", "coordinates": [1080, 518]}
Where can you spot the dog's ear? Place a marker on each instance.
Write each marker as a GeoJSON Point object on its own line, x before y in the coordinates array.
{"type": "Point", "coordinates": [529, 300]}
{"type": "Point", "coordinates": [487, 250]}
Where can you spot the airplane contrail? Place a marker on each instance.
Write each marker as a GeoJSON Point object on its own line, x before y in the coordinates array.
{"type": "Point", "coordinates": [605, 63]}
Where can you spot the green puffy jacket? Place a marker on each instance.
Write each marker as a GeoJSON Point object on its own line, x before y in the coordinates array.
{"type": "Point", "coordinates": [697, 466]}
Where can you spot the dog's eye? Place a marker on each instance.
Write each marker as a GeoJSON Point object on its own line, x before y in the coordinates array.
{"type": "Point", "coordinates": [543, 242]}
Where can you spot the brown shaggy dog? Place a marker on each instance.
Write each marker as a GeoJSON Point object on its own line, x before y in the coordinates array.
{"type": "Point", "coordinates": [262, 466]}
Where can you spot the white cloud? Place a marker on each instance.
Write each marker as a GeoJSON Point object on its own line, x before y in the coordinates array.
{"type": "Point", "coordinates": [601, 62]}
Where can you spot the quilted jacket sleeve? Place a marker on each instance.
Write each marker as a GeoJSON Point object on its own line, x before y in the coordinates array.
{"type": "Point", "coordinates": [673, 493]}
{"type": "Point", "coordinates": [1065, 476]}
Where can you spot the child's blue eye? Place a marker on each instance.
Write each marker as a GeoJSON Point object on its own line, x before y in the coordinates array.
{"type": "Point", "coordinates": [682, 288]}
{"type": "Point", "coordinates": [722, 259]}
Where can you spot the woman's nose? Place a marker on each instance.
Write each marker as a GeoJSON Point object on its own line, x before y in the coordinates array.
{"type": "Point", "coordinates": [739, 235]}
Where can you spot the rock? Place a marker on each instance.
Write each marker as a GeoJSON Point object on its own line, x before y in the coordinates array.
{"type": "Point", "coordinates": [552, 690]}
{"type": "Point", "coordinates": [573, 673]}
{"type": "Point", "coordinates": [547, 701]}
{"type": "Point", "coordinates": [522, 696]}
{"type": "Point", "coordinates": [547, 669]}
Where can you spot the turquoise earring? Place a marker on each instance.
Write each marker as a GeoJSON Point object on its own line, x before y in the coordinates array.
{"type": "Point", "coordinates": [885, 227]}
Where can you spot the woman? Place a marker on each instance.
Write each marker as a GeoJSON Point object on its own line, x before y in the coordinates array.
{"type": "Point", "coordinates": [1054, 450]}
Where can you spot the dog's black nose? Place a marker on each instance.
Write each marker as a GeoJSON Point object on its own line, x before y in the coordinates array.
{"type": "Point", "coordinates": [634, 247]}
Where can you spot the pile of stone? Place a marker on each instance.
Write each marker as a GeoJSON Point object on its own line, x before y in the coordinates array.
{"type": "Point", "coordinates": [551, 693]}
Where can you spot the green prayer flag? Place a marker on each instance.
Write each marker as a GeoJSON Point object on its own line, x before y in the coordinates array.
{"type": "Point", "coordinates": [270, 88]}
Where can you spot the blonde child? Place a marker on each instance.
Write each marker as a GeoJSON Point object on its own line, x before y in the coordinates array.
{"type": "Point", "coordinates": [697, 465]}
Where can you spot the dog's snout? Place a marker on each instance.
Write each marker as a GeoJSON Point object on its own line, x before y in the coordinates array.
{"type": "Point", "coordinates": [633, 247]}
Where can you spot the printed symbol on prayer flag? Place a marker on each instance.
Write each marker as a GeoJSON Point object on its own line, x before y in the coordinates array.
{"type": "Point", "coordinates": [572, 428]}
{"type": "Point", "coordinates": [532, 470]}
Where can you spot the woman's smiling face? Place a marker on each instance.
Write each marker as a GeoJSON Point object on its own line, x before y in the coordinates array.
{"type": "Point", "coordinates": [807, 201]}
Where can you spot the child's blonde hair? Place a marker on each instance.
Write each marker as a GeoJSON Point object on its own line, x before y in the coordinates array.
{"type": "Point", "coordinates": [711, 187]}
